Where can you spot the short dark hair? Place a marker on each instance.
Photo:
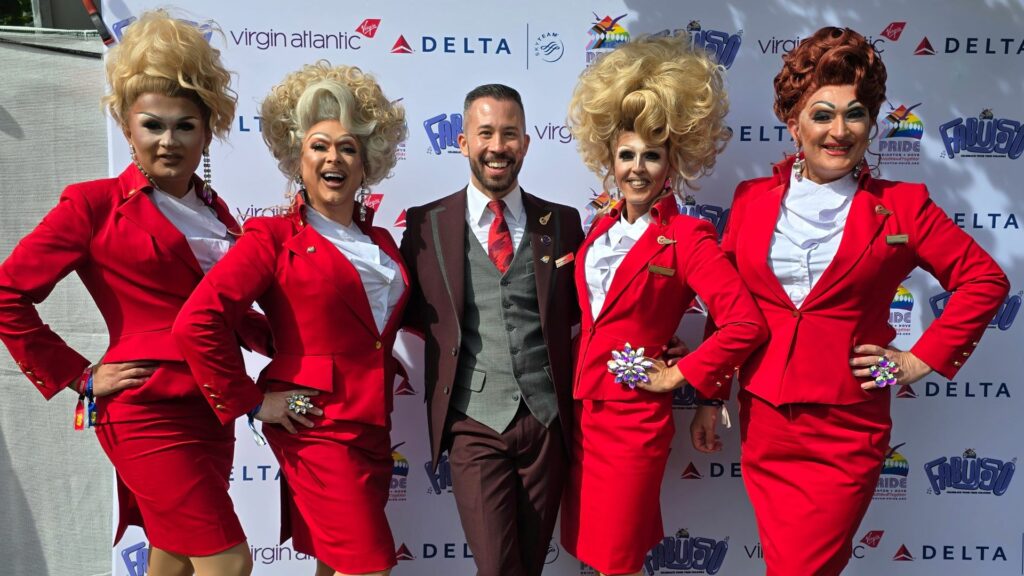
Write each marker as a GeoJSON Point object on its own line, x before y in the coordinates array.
{"type": "Point", "coordinates": [496, 91]}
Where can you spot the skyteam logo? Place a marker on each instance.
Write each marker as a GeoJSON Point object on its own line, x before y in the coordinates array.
{"type": "Point", "coordinates": [683, 554]}
{"type": "Point", "coordinates": [892, 483]}
{"type": "Point", "coordinates": [969, 474]}
{"type": "Point", "coordinates": [982, 137]}
{"type": "Point", "coordinates": [136, 558]}
{"type": "Point", "coordinates": [900, 311]}
{"type": "Point", "coordinates": [548, 47]}
{"type": "Point", "coordinates": [605, 35]}
{"type": "Point", "coordinates": [440, 481]}
{"type": "Point", "coordinates": [722, 46]}
{"type": "Point", "coordinates": [443, 133]}
{"type": "Point", "coordinates": [901, 130]}
{"type": "Point", "coordinates": [1003, 319]}
{"type": "Point", "coordinates": [399, 475]}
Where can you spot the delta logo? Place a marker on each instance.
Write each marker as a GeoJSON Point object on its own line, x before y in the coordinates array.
{"type": "Point", "coordinates": [974, 45]}
{"type": "Point", "coordinates": [892, 482]}
{"type": "Point", "coordinates": [901, 131]}
{"type": "Point", "coordinates": [870, 540]}
{"type": "Point", "coordinates": [489, 45]}
{"type": "Point", "coordinates": [900, 310]}
{"type": "Point", "coordinates": [969, 474]}
{"type": "Point", "coordinates": [399, 475]}
{"type": "Point", "coordinates": [955, 553]}
{"type": "Point", "coordinates": [715, 470]}
{"type": "Point", "coordinates": [443, 133]}
{"type": "Point", "coordinates": [685, 554]}
{"type": "Point", "coordinates": [605, 35]}
{"type": "Point", "coordinates": [400, 223]}
{"type": "Point", "coordinates": [1004, 318]}
{"type": "Point", "coordinates": [403, 388]}
{"type": "Point", "coordinates": [440, 481]}
{"type": "Point", "coordinates": [984, 136]}
{"type": "Point", "coordinates": [402, 554]}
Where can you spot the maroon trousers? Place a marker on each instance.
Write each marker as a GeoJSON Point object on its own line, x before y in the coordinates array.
{"type": "Point", "coordinates": [507, 488]}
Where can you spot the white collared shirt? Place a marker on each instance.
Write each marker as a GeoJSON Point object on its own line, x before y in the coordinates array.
{"type": "Point", "coordinates": [380, 275]}
{"type": "Point", "coordinates": [606, 254]}
{"type": "Point", "coordinates": [206, 235]}
{"type": "Point", "coordinates": [808, 232]}
{"type": "Point", "coordinates": [479, 217]}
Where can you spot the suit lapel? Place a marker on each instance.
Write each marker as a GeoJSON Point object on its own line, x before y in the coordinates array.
{"type": "Point", "coordinates": [139, 209]}
{"type": "Point", "coordinates": [759, 228]}
{"type": "Point", "coordinates": [542, 225]}
{"type": "Point", "coordinates": [448, 228]}
{"type": "Point", "coordinates": [309, 246]}
{"type": "Point", "coordinates": [864, 221]}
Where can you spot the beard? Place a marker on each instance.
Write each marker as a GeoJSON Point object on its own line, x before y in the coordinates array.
{"type": "Point", "coordinates": [495, 185]}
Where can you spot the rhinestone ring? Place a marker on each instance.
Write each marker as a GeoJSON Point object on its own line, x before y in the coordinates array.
{"type": "Point", "coordinates": [299, 403]}
{"type": "Point", "coordinates": [884, 372]}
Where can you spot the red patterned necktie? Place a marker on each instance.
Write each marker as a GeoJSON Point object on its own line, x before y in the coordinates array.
{"type": "Point", "coordinates": [499, 240]}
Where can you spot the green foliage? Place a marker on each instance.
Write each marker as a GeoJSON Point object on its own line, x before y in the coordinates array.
{"type": "Point", "coordinates": [16, 13]}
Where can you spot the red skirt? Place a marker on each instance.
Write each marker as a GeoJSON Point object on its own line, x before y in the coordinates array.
{"type": "Point", "coordinates": [611, 511]}
{"type": "Point", "coordinates": [335, 482]}
{"type": "Point", "coordinates": [173, 464]}
{"type": "Point", "coordinates": [810, 471]}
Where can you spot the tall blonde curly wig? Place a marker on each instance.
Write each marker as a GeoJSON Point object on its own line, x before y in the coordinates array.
{"type": "Point", "coordinates": [319, 92]}
{"type": "Point", "coordinates": [160, 54]}
{"type": "Point", "coordinates": [665, 92]}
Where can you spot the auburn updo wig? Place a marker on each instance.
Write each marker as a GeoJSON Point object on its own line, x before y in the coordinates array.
{"type": "Point", "coordinates": [830, 57]}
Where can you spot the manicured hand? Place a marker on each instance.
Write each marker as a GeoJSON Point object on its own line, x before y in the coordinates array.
{"type": "Point", "coordinates": [911, 368]}
{"type": "Point", "coordinates": [674, 350]}
{"type": "Point", "coordinates": [663, 378]}
{"type": "Point", "coordinates": [275, 409]}
{"type": "Point", "coordinates": [110, 378]}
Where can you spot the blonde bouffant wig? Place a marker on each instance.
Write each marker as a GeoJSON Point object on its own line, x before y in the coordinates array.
{"type": "Point", "coordinates": [663, 90]}
{"type": "Point", "coordinates": [162, 55]}
{"type": "Point", "coordinates": [319, 92]}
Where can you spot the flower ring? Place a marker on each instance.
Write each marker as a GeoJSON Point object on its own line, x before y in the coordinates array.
{"type": "Point", "coordinates": [629, 366]}
{"type": "Point", "coordinates": [299, 403]}
{"type": "Point", "coordinates": [884, 372]}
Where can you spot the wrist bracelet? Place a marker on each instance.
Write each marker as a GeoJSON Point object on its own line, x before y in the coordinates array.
{"type": "Point", "coordinates": [256, 436]}
{"type": "Point", "coordinates": [708, 401]}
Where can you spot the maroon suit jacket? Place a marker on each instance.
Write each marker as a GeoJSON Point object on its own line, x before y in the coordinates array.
{"type": "Point", "coordinates": [434, 249]}
{"type": "Point", "coordinates": [892, 228]}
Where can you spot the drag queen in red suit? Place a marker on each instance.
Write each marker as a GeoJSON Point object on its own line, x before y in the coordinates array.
{"type": "Point", "coordinates": [140, 243]}
{"type": "Point", "coordinates": [333, 287]}
{"type": "Point", "coordinates": [649, 112]}
{"type": "Point", "coordinates": [823, 247]}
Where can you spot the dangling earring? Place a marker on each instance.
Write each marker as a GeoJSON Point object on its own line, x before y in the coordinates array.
{"type": "Point", "coordinates": [302, 188]}
{"type": "Point", "coordinates": [361, 198]}
{"type": "Point", "coordinates": [207, 193]}
{"type": "Point", "coordinates": [857, 170]}
{"type": "Point", "coordinates": [135, 160]}
{"type": "Point", "coordinates": [798, 165]}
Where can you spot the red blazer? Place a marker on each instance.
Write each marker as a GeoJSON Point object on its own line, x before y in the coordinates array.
{"type": "Point", "coordinates": [324, 333]}
{"type": "Point", "coordinates": [138, 268]}
{"type": "Point", "coordinates": [892, 228]}
{"type": "Point", "coordinates": [676, 258]}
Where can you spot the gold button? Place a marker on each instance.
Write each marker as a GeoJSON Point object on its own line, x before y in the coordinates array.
{"type": "Point", "coordinates": [446, 390]}
{"type": "Point", "coordinates": [207, 386]}
{"type": "Point", "coordinates": [378, 344]}
{"type": "Point", "coordinates": [796, 313]}
{"type": "Point", "coordinates": [39, 382]}
{"type": "Point", "coordinates": [719, 384]}
{"type": "Point", "coordinates": [214, 396]}
{"type": "Point", "coordinates": [311, 249]}
{"type": "Point", "coordinates": [966, 354]}
{"type": "Point", "coordinates": [220, 407]}
{"type": "Point", "coordinates": [957, 364]}
{"type": "Point", "coordinates": [974, 343]}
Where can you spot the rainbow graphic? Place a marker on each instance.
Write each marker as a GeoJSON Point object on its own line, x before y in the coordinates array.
{"type": "Point", "coordinates": [903, 123]}
{"type": "Point", "coordinates": [903, 300]}
{"type": "Point", "coordinates": [400, 463]}
{"type": "Point", "coordinates": [607, 33]}
{"type": "Point", "coordinates": [895, 464]}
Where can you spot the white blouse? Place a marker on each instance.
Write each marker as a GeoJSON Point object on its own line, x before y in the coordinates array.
{"type": "Point", "coordinates": [808, 232]}
{"type": "Point", "coordinates": [605, 255]}
{"type": "Point", "coordinates": [206, 235]}
{"type": "Point", "coordinates": [380, 275]}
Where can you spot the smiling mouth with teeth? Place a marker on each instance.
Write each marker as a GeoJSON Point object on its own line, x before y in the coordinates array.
{"type": "Point", "coordinates": [333, 177]}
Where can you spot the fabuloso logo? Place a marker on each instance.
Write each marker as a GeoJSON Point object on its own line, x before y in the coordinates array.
{"type": "Point", "coordinates": [969, 474]}
{"type": "Point", "coordinates": [722, 46]}
{"type": "Point", "coordinates": [984, 136]}
{"type": "Point", "coordinates": [691, 555]}
{"type": "Point", "coordinates": [136, 559]}
{"type": "Point", "coordinates": [440, 481]}
{"type": "Point", "coordinates": [443, 133]}
{"type": "Point", "coordinates": [1003, 319]}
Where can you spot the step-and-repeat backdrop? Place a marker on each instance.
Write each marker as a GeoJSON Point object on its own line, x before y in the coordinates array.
{"type": "Point", "coordinates": [947, 501]}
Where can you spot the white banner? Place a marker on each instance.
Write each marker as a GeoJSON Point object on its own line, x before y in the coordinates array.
{"type": "Point", "coordinates": [953, 121]}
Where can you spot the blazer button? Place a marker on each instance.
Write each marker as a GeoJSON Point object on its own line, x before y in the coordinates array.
{"type": "Point", "coordinates": [220, 407]}
{"type": "Point", "coordinates": [207, 386]}
{"type": "Point", "coordinates": [796, 313]}
{"type": "Point", "coordinates": [378, 344]}
{"type": "Point", "coordinates": [39, 382]}
{"type": "Point", "coordinates": [966, 354]}
{"type": "Point", "coordinates": [214, 396]}
{"type": "Point", "coordinates": [957, 364]}
{"type": "Point", "coordinates": [445, 390]}
{"type": "Point", "coordinates": [719, 384]}
{"type": "Point", "coordinates": [974, 343]}
{"type": "Point", "coordinates": [455, 351]}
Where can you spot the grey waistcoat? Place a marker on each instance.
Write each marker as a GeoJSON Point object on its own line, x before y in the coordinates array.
{"type": "Point", "coordinates": [503, 360]}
